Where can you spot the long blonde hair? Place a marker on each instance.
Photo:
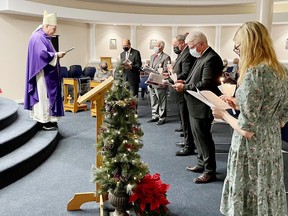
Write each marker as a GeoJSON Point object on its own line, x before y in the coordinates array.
{"type": "Point", "coordinates": [256, 47]}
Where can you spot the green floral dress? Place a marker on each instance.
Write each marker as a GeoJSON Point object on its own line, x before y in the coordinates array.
{"type": "Point", "coordinates": [254, 184]}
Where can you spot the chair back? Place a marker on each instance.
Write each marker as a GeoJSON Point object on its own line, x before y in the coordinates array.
{"type": "Point", "coordinates": [75, 71]}
{"type": "Point", "coordinates": [89, 72]}
{"type": "Point", "coordinates": [63, 72]}
{"type": "Point", "coordinates": [143, 79]}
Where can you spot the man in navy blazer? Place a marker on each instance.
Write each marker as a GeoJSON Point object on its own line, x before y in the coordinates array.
{"type": "Point", "coordinates": [131, 72]}
{"type": "Point", "coordinates": [205, 75]}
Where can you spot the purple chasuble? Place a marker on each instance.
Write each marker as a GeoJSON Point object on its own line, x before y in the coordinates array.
{"type": "Point", "coordinates": [40, 53]}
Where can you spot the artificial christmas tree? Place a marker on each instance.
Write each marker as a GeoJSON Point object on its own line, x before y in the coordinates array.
{"type": "Point", "coordinates": [120, 141]}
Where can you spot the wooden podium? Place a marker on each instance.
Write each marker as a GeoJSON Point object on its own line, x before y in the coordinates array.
{"type": "Point", "coordinates": [73, 107]}
{"type": "Point", "coordinates": [96, 94]}
{"type": "Point", "coordinates": [93, 104]}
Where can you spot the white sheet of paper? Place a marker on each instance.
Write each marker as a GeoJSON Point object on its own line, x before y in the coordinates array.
{"type": "Point", "coordinates": [227, 89]}
{"type": "Point", "coordinates": [210, 99]}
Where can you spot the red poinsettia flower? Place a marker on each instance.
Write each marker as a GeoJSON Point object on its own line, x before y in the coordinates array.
{"type": "Point", "coordinates": [150, 194]}
{"type": "Point", "coordinates": [133, 104]}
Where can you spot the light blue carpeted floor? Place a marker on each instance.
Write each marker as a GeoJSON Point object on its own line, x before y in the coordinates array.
{"type": "Point", "coordinates": [48, 189]}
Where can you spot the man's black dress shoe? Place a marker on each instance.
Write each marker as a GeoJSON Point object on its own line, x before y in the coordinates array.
{"type": "Point", "coordinates": [152, 120]}
{"type": "Point", "coordinates": [180, 144]}
{"type": "Point", "coordinates": [205, 178]}
{"type": "Point", "coordinates": [196, 168]}
{"type": "Point", "coordinates": [160, 122]}
{"type": "Point", "coordinates": [181, 134]}
{"type": "Point", "coordinates": [179, 130]}
{"type": "Point", "coordinates": [184, 152]}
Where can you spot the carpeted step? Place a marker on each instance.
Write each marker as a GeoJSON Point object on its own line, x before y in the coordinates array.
{"type": "Point", "coordinates": [8, 112]}
{"type": "Point", "coordinates": [18, 133]}
{"type": "Point", "coordinates": [26, 158]}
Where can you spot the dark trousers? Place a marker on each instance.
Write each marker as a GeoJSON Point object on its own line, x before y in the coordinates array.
{"type": "Point", "coordinates": [134, 88]}
{"type": "Point", "coordinates": [201, 130]}
{"type": "Point", "coordinates": [185, 121]}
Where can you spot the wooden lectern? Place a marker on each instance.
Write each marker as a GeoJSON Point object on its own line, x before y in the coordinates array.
{"type": "Point", "coordinates": [96, 94]}
{"type": "Point", "coordinates": [74, 107]}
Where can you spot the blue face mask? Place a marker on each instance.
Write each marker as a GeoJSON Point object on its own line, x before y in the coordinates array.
{"type": "Point", "coordinates": [156, 49]}
{"type": "Point", "coordinates": [195, 53]}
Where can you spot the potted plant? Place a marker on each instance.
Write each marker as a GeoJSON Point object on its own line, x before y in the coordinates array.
{"type": "Point", "coordinates": [149, 197]}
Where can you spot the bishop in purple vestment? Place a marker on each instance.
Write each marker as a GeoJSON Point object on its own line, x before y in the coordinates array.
{"type": "Point", "coordinates": [43, 82]}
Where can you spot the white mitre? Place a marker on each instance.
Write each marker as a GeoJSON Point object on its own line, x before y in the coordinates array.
{"type": "Point", "coordinates": [50, 19]}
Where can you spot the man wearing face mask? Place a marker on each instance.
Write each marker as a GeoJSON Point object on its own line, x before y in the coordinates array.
{"type": "Point", "coordinates": [103, 73]}
{"type": "Point", "coordinates": [158, 94]}
{"type": "Point", "coordinates": [131, 72]}
{"type": "Point", "coordinates": [205, 75]}
{"type": "Point", "coordinates": [182, 68]}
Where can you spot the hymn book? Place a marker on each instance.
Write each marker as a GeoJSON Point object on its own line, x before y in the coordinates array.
{"type": "Point", "coordinates": [210, 99]}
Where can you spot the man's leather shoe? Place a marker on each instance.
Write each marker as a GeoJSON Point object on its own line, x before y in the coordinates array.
{"type": "Point", "coordinates": [179, 130]}
{"type": "Point", "coordinates": [184, 152]}
{"type": "Point", "coordinates": [180, 144]}
{"type": "Point", "coordinates": [152, 120]}
{"type": "Point", "coordinates": [160, 122]}
{"type": "Point", "coordinates": [196, 168]}
{"type": "Point", "coordinates": [205, 178]}
{"type": "Point", "coordinates": [181, 134]}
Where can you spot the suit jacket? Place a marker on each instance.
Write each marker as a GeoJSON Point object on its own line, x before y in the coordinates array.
{"type": "Point", "coordinates": [182, 68]}
{"type": "Point", "coordinates": [183, 64]}
{"type": "Point", "coordinates": [132, 75]}
{"type": "Point", "coordinates": [205, 75]}
{"type": "Point", "coordinates": [162, 59]}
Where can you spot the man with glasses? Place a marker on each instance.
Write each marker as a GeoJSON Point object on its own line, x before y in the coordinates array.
{"type": "Point", "coordinates": [205, 75]}
{"type": "Point", "coordinates": [43, 82]}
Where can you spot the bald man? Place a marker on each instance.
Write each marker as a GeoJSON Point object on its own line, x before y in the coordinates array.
{"type": "Point", "coordinates": [131, 73]}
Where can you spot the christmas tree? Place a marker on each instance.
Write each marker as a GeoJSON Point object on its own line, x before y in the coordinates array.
{"type": "Point", "coordinates": [120, 141]}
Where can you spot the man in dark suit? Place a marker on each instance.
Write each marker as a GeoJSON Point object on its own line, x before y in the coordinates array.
{"type": "Point", "coordinates": [131, 72]}
{"type": "Point", "coordinates": [182, 68]}
{"type": "Point", "coordinates": [158, 94]}
{"type": "Point", "coordinates": [205, 75]}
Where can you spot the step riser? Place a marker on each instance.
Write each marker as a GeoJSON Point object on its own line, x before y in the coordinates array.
{"type": "Point", "coordinates": [18, 171]}
{"type": "Point", "coordinates": [16, 142]}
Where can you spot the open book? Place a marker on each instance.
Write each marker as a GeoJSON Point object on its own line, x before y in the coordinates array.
{"type": "Point", "coordinates": [127, 61]}
{"type": "Point", "coordinates": [154, 79]}
{"type": "Point", "coordinates": [210, 99]}
{"type": "Point", "coordinates": [148, 70]}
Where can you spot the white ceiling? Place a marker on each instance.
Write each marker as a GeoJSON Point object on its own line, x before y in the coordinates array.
{"type": "Point", "coordinates": [171, 2]}
{"type": "Point", "coordinates": [148, 12]}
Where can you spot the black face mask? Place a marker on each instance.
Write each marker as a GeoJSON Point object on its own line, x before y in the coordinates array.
{"type": "Point", "coordinates": [125, 49]}
{"type": "Point", "coordinates": [104, 68]}
{"type": "Point", "coordinates": [176, 50]}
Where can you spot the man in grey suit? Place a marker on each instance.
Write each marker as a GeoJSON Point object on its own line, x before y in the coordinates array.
{"type": "Point", "coordinates": [205, 75]}
{"type": "Point", "coordinates": [131, 72]}
{"type": "Point", "coordinates": [158, 94]}
{"type": "Point", "coordinates": [182, 67]}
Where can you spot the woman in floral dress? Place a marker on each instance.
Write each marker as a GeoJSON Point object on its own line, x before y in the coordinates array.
{"type": "Point", "coordinates": [254, 185]}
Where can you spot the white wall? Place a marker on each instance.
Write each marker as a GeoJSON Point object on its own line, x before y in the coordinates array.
{"type": "Point", "coordinates": [16, 31]}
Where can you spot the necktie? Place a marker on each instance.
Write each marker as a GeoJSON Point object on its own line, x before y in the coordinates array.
{"type": "Point", "coordinates": [155, 57]}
